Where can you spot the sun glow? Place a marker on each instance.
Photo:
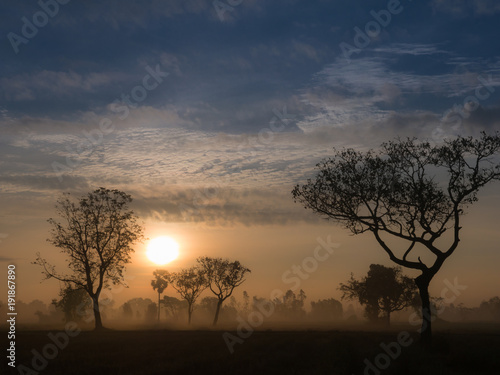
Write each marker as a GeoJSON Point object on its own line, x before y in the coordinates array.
{"type": "Point", "coordinates": [162, 250]}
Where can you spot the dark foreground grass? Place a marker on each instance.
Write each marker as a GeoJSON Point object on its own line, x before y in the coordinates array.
{"type": "Point", "coordinates": [267, 352]}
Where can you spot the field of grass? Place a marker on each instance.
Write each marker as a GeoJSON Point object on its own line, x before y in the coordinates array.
{"type": "Point", "coordinates": [264, 352]}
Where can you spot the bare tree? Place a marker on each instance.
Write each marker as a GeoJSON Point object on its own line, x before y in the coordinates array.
{"type": "Point", "coordinates": [384, 289]}
{"type": "Point", "coordinates": [395, 194]}
{"type": "Point", "coordinates": [96, 233]}
{"type": "Point", "coordinates": [189, 283]}
{"type": "Point", "coordinates": [222, 277]}
{"type": "Point", "coordinates": [160, 283]}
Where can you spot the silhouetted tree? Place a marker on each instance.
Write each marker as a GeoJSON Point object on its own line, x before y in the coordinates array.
{"type": "Point", "coordinates": [222, 277]}
{"type": "Point", "coordinates": [384, 289]}
{"type": "Point", "coordinates": [174, 306]}
{"type": "Point", "coordinates": [160, 283]}
{"type": "Point", "coordinates": [490, 309]}
{"type": "Point", "coordinates": [326, 309]}
{"type": "Point", "coordinates": [246, 301]}
{"type": "Point", "coordinates": [234, 303]}
{"type": "Point", "coordinates": [139, 306]}
{"type": "Point", "coordinates": [96, 233]}
{"type": "Point", "coordinates": [208, 305]}
{"type": "Point", "coordinates": [394, 193]}
{"type": "Point", "coordinates": [151, 312]}
{"type": "Point", "coordinates": [73, 302]}
{"type": "Point", "coordinates": [127, 310]}
{"type": "Point", "coordinates": [189, 283]}
{"type": "Point", "coordinates": [291, 305]}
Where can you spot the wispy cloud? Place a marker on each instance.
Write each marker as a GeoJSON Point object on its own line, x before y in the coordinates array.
{"type": "Point", "coordinates": [31, 86]}
{"type": "Point", "coordinates": [411, 49]}
{"type": "Point", "coordinates": [461, 8]}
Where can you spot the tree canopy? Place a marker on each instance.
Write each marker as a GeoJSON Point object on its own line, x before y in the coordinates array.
{"type": "Point", "coordinates": [96, 233]}
{"type": "Point", "coordinates": [383, 290]}
{"type": "Point", "coordinates": [189, 283]}
{"type": "Point", "coordinates": [222, 277]}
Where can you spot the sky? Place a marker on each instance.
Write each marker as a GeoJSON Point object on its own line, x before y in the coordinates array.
{"type": "Point", "coordinates": [209, 112]}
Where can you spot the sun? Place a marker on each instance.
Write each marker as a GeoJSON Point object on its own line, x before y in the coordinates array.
{"type": "Point", "coordinates": [162, 250]}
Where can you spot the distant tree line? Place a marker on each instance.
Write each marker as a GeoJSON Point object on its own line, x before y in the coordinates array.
{"type": "Point", "coordinates": [143, 311]}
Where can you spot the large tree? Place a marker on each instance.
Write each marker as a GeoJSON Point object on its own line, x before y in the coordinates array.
{"type": "Point", "coordinates": [96, 233]}
{"type": "Point", "coordinates": [409, 191]}
{"type": "Point", "coordinates": [383, 290]}
{"type": "Point", "coordinates": [222, 277]}
{"type": "Point", "coordinates": [160, 283]}
{"type": "Point", "coordinates": [189, 283]}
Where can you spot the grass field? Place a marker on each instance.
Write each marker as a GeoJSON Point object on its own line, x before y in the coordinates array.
{"type": "Point", "coordinates": [264, 352]}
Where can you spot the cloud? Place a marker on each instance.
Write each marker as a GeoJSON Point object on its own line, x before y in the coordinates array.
{"type": "Point", "coordinates": [486, 7]}
{"type": "Point", "coordinates": [456, 8]}
{"type": "Point", "coordinates": [179, 174]}
{"type": "Point", "coordinates": [31, 86]}
{"type": "Point", "coordinates": [221, 206]}
{"type": "Point", "coordinates": [367, 76]}
{"type": "Point", "coordinates": [26, 182]}
{"type": "Point", "coordinates": [462, 8]}
{"type": "Point", "coordinates": [306, 50]}
{"type": "Point", "coordinates": [411, 49]}
{"type": "Point", "coordinates": [372, 87]}
{"type": "Point", "coordinates": [484, 118]}
{"type": "Point", "coordinates": [136, 13]}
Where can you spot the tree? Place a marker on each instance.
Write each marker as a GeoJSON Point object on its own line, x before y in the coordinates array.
{"type": "Point", "coordinates": [209, 304]}
{"type": "Point", "coordinates": [160, 283]}
{"type": "Point", "coordinates": [394, 194]}
{"type": "Point", "coordinates": [326, 309]}
{"type": "Point", "coordinates": [127, 310]}
{"type": "Point", "coordinates": [138, 306]}
{"type": "Point", "coordinates": [73, 302]}
{"type": "Point", "coordinates": [174, 306]}
{"type": "Point", "coordinates": [96, 233]}
{"type": "Point", "coordinates": [246, 302]}
{"type": "Point", "coordinates": [291, 305]}
{"type": "Point", "coordinates": [490, 309]}
{"type": "Point", "coordinates": [222, 277]}
{"type": "Point", "coordinates": [189, 283]}
{"type": "Point", "coordinates": [151, 312]}
{"type": "Point", "coordinates": [384, 289]}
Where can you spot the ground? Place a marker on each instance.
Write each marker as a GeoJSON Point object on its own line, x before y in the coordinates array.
{"type": "Point", "coordinates": [263, 352]}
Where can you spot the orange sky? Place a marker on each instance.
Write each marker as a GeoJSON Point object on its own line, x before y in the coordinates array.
{"type": "Point", "coordinates": [270, 251]}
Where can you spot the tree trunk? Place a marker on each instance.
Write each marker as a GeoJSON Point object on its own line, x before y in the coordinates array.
{"type": "Point", "coordinates": [422, 282]}
{"type": "Point", "coordinates": [216, 318]}
{"type": "Point", "coordinates": [158, 307]}
{"type": "Point", "coordinates": [387, 318]}
{"type": "Point", "coordinates": [97, 313]}
{"type": "Point", "coordinates": [190, 312]}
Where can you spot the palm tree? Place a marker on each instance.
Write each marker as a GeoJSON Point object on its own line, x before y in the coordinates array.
{"type": "Point", "coordinates": [160, 283]}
